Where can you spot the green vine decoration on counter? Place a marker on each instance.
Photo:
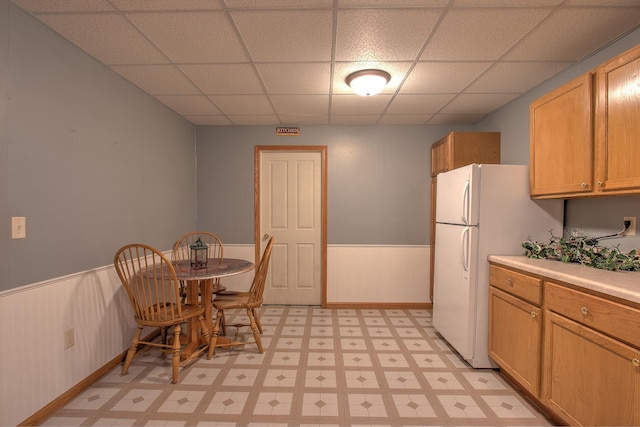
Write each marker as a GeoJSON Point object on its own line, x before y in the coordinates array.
{"type": "Point", "coordinates": [584, 250]}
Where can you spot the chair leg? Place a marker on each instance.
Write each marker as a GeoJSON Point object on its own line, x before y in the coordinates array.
{"type": "Point", "coordinates": [216, 332]}
{"type": "Point", "coordinates": [255, 316]}
{"type": "Point", "coordinates": [254, 328]}
{"type": "Point", "coordinates": [175, 362]}
{"type": "Point", "coordinates": [132, 351]}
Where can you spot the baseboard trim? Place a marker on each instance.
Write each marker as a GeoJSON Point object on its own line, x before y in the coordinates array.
{"type": "Point", "coordinates": [64, 398]}
{"type": "Point", "coordinates": [381, 305]}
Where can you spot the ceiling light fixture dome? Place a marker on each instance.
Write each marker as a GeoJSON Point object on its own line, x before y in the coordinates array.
{"type": "Point", "coordinates": [368, 82]}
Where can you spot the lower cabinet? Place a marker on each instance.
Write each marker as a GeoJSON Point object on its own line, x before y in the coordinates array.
{"type": "Point", "coordinates": [576, 353]}
{"type": "Point", "coordinates": [515, 338]}
{"type": "Point", "coordinates": [589, 378]}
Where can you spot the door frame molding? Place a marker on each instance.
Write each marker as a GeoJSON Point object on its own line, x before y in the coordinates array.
{"type": "Point", "coordinates": [322, 149]}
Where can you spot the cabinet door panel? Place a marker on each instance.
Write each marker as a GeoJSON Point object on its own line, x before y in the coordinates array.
{"type": "Point", "coordinates": [618, 123]}
{"type": "Point", "coordinates": [515, 338]}
{"type": "Point", "coordinates": [561, 140]}
{"type": "Point", "coordinates": [589, 378]}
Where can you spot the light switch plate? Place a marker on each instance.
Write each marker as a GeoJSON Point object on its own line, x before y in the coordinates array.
{"type": "Point", "coordinates": [18, 227]}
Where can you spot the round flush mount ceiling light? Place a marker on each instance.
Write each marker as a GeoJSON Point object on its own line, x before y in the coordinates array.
{"type": "Point", "coordinates": [368, 82]}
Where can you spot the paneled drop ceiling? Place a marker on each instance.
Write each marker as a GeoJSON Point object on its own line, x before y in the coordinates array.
{"type": "Point", "coordinates": [284, 62]}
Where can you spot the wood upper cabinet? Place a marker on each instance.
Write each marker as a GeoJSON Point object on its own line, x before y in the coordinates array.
{"type": "Point", "coordinates": [618, 124]}
{"type": "Point", "coordinates": [464, 148]}
{"type": "Point", "coordinates": [561, 140]}
{"type": "Point", "coordinates": [455, 150]}
{"type": "Point", "coordinates": [515, 325]}
{"type": "Point", "coordinates": [585, 135]}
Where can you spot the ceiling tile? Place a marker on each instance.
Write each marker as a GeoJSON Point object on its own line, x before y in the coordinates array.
{"type": "Point", "coordinates": [356, 104]}
{"type": "Point", "coordinates": [255, 120]}
{"type": "Point", "coordinates": [455, 119]}
{"type": "Point", "coordinates": [355, 119]}
{"type": "Point", "coordinates": [227, 62]}
{"type": "Point", "coordinates": [224, 79]}
{"type": "Point", "coordinates": [442, 77]}
{"type": "Point", "coordinates": [189, 105]}
{"type": "Point", "coordinates": [192, 37]}
{"type": "Point", "coordinates": [355, 40]}
{"type": "Point", "coordinates": [424, 104]}
{"type": "Point", "coordinates": [393, 3]}
{"type": "Point", "coordinates": [582, 31]}
{"type": "Point", "coordinates": [167, 5]}
{"type": "Point", "coordinates": [404, 119]}
{"type": "Point", "coordinates": [305, 105]}
{"type": "Point", "coordinates": [601, 3]}
{"type": "Point", "coordinates": [506, 3]}
{"type": "Point", "coordinates": [480, 34]}
{"type": "Point", "coordinates": [297, 78]}
{"type": "Point", "coordinates": [297, 119]}
{"type": "Point", "coordinates": [157, 79]}
{"type": "Point", "coordinates": [279, 4]}
{"type": "Point", "coordinates": [109, 38]}
{"type": "Point", "coordinates": [286, 36]}
{"type": "Point", "coordinates": [515, 77]}
{"type": "Point", "coordinates": [477, 103]}
{"type": "Point", "coordinates": [36, 6]}
{"type": "Point", "coordinates": [243, 104]}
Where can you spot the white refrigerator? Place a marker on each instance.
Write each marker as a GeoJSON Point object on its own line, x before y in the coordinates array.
{"type": "Point", "coordinates": [481, 210]}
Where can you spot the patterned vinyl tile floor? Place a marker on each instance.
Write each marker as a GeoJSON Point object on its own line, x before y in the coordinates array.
{"type": "Point", "coordinates": [320, 367]}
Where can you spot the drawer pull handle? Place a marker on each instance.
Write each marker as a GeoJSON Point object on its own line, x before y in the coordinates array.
{"type": "Point", "coordinates": [636, 362]}
{"type": "Point", "coordinates": [584, 310]}
{"type": "Point", "coordinates": [509, 281]}
{"type": "Point", "coordinates": [533, 314]}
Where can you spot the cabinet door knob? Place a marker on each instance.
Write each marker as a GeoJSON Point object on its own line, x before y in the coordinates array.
{"type": "Point", "coordinates": [509, 281]}
{"type": "Point", "coordinates": [599, 183]}
{"type": "Point", "coordinates": [636, 361]}
{"type": "Point", "coordinates": [584, 310]}
{"type": "Point", "coordinates": [583, 185]}
{"type": "Point", "coordinates": [533, 314]}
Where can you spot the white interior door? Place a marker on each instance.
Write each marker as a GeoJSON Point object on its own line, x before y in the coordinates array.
{"type": "Point", "coordinates": [291, 211]}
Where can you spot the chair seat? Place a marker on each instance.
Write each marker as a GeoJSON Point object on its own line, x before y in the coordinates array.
{"type": "Point", "coordinates": [230, 303]}
{"type": "Point", "coordinates": [222, 294]}
{"type": "Point", "coordinates": [188, 311]}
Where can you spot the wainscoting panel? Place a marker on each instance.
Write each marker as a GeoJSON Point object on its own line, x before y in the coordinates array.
{"type": "Point", "coordinates": [377, 274]}
{"type": "Point", "coordinates": [36, 369]}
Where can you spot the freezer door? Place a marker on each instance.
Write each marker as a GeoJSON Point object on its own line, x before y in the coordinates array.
{"type": "Point", "coordinates": [455, 282]}
{"type": "Point", "coordinates": [457, 196]}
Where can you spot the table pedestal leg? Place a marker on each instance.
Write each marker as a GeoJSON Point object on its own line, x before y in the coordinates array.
{"type": "Point", "coordinates": [193, 326]}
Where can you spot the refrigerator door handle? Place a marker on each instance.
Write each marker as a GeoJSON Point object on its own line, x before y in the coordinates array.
{"type": "Point", "coordinates": [465, 203]}
{"type": "Point", "coordinates": [464, 248]}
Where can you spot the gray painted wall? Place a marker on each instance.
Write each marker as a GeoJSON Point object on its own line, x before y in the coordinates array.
{"type": "Point", "coordinates": [4, 146]}
{"type": "Point", "coordinates": [598, 216]}
{"type": "Point", "coordinates": [378, 180]}
{"type": "Point", "coordinates": [92, 162]}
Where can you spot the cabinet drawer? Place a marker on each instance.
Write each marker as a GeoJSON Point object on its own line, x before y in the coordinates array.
{"type": "Point", "coordinates": [612, 318]}
{"type": "Point", "coordinates": [518, 284]}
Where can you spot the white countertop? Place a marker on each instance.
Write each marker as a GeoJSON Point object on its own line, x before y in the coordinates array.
{"type": "Point", "coordinates": [621, 284]}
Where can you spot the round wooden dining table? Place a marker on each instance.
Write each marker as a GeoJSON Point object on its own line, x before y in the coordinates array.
{"type": "Point", "coordinates": [200, 289]}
